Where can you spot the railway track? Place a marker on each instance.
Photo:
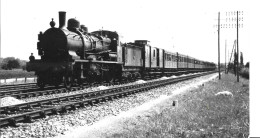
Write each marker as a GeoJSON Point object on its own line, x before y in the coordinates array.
{"type": "Point", "coordinates": [14, 88]}
{"type": "Point", "coordinates": [34, 92]}
{"type": "Point", "coordinates": [17, 86]}
{"type": "Point", "coordinates": [27, 111]}
{"type": "Point", "coordinates": [31, 90]}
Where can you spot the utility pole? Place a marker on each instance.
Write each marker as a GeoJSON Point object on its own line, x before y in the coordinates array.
{"type": "Point", "coordinates": [226, 56]}
{"type": "Point", "coordinates": [0, 35]}
{"type": "Point", "coordinates": [228, 62]}
{"type": "Point", "coordinates": [235, 61]}
{"type": "Point", "coordinates": [219, 46]}
{"type": "Point", "coordinates": [229, 23]}
{"type": "Point", "coordinates": [237, 51]}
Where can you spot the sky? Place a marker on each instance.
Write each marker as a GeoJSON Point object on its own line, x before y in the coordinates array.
{"type": "Point", "coordinates": [185, 26]}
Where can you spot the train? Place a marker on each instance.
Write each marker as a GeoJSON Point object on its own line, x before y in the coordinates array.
{"type": "Point", "coordinates": [73, 56]}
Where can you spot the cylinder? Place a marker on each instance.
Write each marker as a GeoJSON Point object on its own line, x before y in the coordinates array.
{"type": "Point", "coordinates": [62, 19]}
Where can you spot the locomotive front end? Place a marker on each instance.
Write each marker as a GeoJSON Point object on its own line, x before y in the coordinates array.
{"type": "Point", "coordinates": [66, 53]}
{"type": "Point", "coordinates": [56, 43]}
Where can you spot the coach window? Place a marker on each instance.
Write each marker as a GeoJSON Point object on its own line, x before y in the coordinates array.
{"type": "Point", "coordinates": [147, 53]}
{"type": "Point", "coordinates": [134, 54]}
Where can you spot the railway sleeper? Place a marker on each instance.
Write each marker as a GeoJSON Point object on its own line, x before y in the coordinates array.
{"type": "Point", "coordinates": [90, 103]}
{"type": "Point", "coordinates": [6, 111]}
{"type": "Point", "coordinates": [42, 114]}
{"type": "Point", "coordinates": [14, 109]}
{"type": "Point", "coordinates": [50, 102]}
{"type": "Point", "coordinates": [68, 99]}
{"type": "Point", "coordinates": [110, 98]}
{"type": "Point", "coordinates": [58, 100]}
{"type": "Point", "coordinates": [54, 111]}
{"type": "Point", "coordinates": [18, 96]}
{"type": "Point", "coordinates": [102, 100]}
{"type": "Point", "coordinates": [27, 110]}
{"type": "Point", "coordinates": [64, 109]}
{"type": "Point", "coordinates": [96, 101]}
{"type": "Point", "coordinates": [12, 122]}
{"type": "Point", "coordinates": [82, 105]}
{"type": "Point", "coordinates": [27, 119]}
{"type": "Point", "coordinates": [73, 107]}
{"type": "Point", "coordinates": [29, 106]}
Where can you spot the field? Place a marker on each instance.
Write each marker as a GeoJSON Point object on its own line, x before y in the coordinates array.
{"type": "Point", "coordinates": [198, 113]}
{"type": "Point", "coordinates": [244, 72]}
{"type": "Point", "coordinates": [16, 73]}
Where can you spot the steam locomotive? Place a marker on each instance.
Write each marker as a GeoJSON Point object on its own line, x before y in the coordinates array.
{"type": "Point", "coordinates": [72, 55]}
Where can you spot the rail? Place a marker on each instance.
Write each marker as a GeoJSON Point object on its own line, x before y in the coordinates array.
{"type": "Point", "coordinates": [31, 110]}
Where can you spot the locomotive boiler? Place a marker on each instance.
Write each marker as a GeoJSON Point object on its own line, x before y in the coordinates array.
{"type": "Point", "coordinates": [72, 42]}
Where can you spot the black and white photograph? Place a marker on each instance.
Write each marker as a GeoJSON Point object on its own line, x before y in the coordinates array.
{"type": "Point", "coordinates": [129, 69]}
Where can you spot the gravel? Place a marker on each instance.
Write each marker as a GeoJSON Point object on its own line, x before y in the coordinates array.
{"type": "Point", "coordinates": [7, 101]}
{"type": "Point", "coordinates": [61, 124]}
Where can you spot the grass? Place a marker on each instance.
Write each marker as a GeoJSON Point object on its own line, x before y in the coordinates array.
{"type": "Point", "coordinates": [16, 73]}
{"type": "Point", "coordinates": [199, 113]}
{"type": "Point", "coordinates": [244, 72]}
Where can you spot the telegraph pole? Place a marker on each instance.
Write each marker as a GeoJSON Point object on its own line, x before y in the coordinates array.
{"type": "Point", "coordinates": [226, 57]}
{"type": "Point", "coordinates": [235, 61]}
{"type": "Point", "coordinates": [231, 19]}
{"type": "Point", "coordinates": [237, 51]}
{"type": "Point", "coordinates": [0, 34]}
{"type": "Point", "coordinates": [219, 46]}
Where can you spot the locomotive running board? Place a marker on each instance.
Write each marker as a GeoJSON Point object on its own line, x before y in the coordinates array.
{"type": "Point", "coordinates": [96, 61]}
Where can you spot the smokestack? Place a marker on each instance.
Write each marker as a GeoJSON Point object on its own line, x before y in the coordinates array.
{"type": "Point", "coordinates": [62, 19]}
